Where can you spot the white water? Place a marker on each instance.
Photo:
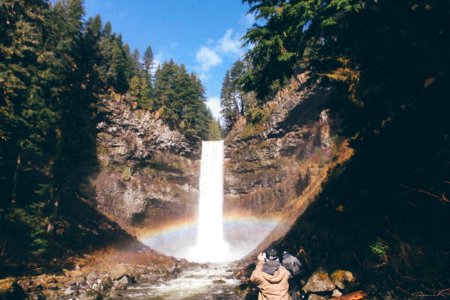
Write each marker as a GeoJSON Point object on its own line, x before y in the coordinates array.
{"type": "Point", "coordinates": [213, 282]}
{"type": "Point", "coordinates": [212, 240]}
{"type": "Point", "coordinates": [211, 245]}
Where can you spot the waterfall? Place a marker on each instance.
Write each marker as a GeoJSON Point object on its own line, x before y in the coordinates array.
{"type": "Point", "coordinates": [210, 239]}
{"type": "Point", "coordinates": [211, 246]}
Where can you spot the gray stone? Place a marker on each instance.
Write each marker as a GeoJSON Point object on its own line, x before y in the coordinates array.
{"type": "Point", "coordinates": [92, 276]}
{"type": "Point", "coordinates": [71, 290]}
{"type": "Point", "coordinates": [336, 293]}
{"type": "Point", "coordinates": [122, 283]}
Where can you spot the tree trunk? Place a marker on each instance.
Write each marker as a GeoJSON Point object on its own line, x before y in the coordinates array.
{"type": "Point", "coordinates": [15, 181]}
{"type": "Point", "coordinates": [52, 219]}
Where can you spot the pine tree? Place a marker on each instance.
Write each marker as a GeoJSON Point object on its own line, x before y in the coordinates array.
{"type": "Point", "coordinates": [147, 71]}
{"type": "Point", "coordinates": [78, 82]}
{"type": "Point", "coordinates": [232, 96]}
{"type": "Point", "coordinates": [227, 103]}
{"type": "Point", "coordinates": [25, 119]}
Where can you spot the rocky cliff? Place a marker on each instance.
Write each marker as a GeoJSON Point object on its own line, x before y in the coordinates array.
{"type": "Point", "coordinates": [275, 168]}
{"type": "Point", "coordinates": [149, 173]}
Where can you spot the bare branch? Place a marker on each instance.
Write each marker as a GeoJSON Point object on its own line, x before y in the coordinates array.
{"type": "Point", "coordinates": [442, 197]}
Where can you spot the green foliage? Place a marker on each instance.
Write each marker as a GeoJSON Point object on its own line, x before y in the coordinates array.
{"type": "Point", "coordinates": [33, 219]}
{"type": "Point", "coordinates": [214, 131]}
{"type": "Point", "coordinates": [232, 99]}
{"type": "Point", "coordinates": [379, 68]}
{"type": "Point", "coordinates": [380, 248]}
{"type": "Point", "coordinates": [179, 97]}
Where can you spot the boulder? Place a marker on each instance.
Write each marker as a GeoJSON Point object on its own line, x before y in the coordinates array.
{"type": "Point", "coordinates": [122, 283]}
{"type": "Point", "coordinates": [319, 282]}
{"type": "Point", "coordinates": [118, 271]}
{"type": "Point", "coordinates": [71, 290]}
{"type": "Point", "coordinates": [336, 293]}
{"type": "Point", "coordinates": [340, 277]}
{"type": "Point", "coordinates": [92, 276]}
{"type": "Point", "coordinates": [10, 289]}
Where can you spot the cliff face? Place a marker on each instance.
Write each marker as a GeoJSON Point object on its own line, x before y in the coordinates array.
{"type": "Point", "coordinates": [149, 173]}
{"type": "Point", "coordinates": [273, 168]}
{"type": "Point", "coordinates": [277, 167]}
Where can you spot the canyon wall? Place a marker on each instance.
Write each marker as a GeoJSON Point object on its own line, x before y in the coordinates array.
{"type": "Point", "coordinates": [148, 173]}
{"type": "Point", "coordinates": [273, 167]}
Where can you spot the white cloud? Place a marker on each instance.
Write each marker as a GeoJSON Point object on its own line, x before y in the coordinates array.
{"type": "Point", "coordinates": [248, 20]}
{"type": "Point", "coordinates": [207, 58]}
{"type": "Point", "coordinates": [213, 104]}
{"type": "Point", "coordinates": [229, 44]}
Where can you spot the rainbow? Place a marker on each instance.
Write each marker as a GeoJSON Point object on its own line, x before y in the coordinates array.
{"type": "Point", "coordinates": [187, 224]}
{"type": "Point", "coordinates": [242, 232]}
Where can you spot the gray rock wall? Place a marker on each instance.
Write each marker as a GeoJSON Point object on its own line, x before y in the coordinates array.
{"type": "Point", "coordinates": [149, 173]}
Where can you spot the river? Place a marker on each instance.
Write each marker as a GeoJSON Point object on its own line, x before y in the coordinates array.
{"type": "Point", "coordinates": [202, 282]}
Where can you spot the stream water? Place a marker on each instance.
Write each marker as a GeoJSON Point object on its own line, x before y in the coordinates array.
{"type": "Point", "coordinates": [203, 282]}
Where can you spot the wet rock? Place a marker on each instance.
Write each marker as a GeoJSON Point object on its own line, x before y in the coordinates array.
{"type": "Point", "coordinates": [219, 281]}
{"type": "Point", "coordinates": [149, 278]}
{"type": "Point", "coordinates": [122, 283]}
{"type": "Point", "coordinates": [10, 289]}
{"type": "Point", "coordinates": [319, 282]}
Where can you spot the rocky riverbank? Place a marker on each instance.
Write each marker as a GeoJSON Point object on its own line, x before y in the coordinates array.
{"type": "Point", "coordinates": [101, 275]}
{"type": "Point", "coordinates": [320, 285]}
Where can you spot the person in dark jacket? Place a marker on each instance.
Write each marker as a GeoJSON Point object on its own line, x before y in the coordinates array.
{"type": "Point", "coordinates": [293, 265]}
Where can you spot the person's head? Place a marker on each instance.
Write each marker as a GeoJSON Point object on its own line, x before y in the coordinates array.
{"type": "Point", "coordinates": [285, 253]}
{"type": "Point", "coordinates": [272, 254]}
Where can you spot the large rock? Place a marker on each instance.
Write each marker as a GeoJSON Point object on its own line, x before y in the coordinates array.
{"type": "Point", "coordinates": [340, 277]}
{"type": "Point", "coordinates": [119, 271]}
{"type": "Point", "coordinates": [10, 289]}
{"type": "Point", "coordinates": [319, 282]}
{"type": "Point", "coordinates": [122, 283]}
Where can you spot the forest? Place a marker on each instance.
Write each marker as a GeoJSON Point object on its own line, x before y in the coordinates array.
{"type": "Point", "coordinates": [57, 69]}
{"type": "Point", "coordinates": [388, 65]}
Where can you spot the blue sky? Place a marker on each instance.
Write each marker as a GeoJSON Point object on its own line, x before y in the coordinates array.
{"type": "Point", "coordinates": [202, 34]}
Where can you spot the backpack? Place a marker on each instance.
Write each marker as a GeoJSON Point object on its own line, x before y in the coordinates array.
{"type": "Point", "coordinates": [292, 264]}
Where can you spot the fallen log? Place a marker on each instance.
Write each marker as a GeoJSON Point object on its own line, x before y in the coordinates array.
{"type": "Point", "coordinates": [352, 296]}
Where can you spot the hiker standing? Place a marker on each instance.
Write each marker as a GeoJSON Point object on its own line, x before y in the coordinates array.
{"type": "Point", "coordinates": [270, 277]}
{"type": "Point", "coordinates": [293, 265]}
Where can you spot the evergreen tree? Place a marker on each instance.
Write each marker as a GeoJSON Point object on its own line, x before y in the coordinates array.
{"type": "Point", "coordinates": [179, 97]}
{"type": "Point", "coordinates": [232, 96]}
{"type": "Point", "coordinates": [24, 117]}
{"type": "Point", "coordinates": [147, 71]}
{"type": "Point", "coordinates": [227, 102]}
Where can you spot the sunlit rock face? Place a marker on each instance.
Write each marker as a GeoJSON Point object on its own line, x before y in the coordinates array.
{"type": "Point", "coordinates": [149, 173]}
{"type": "Point", "coordinates": [277, 167]}
{"type": "Point", "coordinates": [271, 165]}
